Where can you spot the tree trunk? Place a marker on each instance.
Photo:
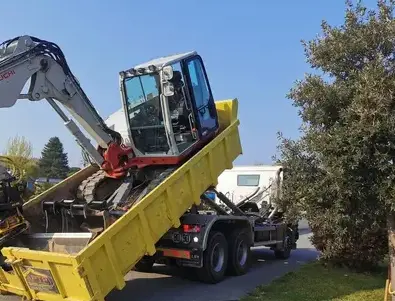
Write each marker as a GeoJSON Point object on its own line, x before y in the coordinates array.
{"type": "Point", "coordinates": [391, 249]}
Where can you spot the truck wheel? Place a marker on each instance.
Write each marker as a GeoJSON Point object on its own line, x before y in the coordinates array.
{"type": "Point", "coordinates": [239, 253]}
{"type": "Point", "coordinates": [215, 259]}
{"type": "Point", "coordinates": [286, 251]}
{"type": "Point", "coordinates": [145, 264]}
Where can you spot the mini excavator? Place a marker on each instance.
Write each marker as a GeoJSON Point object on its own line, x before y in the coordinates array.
{"type": "Point", "coordinates": [169, 109]}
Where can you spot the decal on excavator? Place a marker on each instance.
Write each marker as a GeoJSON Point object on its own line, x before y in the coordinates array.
{"type": "Point", "coordinates": [7, 74]}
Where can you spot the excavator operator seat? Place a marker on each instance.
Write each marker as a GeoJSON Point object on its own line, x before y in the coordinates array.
{"type": "Point", "coordinates": [169, 106]}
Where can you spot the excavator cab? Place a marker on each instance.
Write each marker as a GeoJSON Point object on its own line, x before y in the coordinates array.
{"type": "Point", "coordinates": [169, 108]}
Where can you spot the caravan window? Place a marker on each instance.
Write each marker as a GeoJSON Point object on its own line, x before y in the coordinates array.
{"type": "Point", "coordinates": [247, 180]}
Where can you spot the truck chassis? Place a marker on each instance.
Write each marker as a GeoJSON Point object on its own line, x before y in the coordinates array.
{"type": "Point", "coordinates": [218, 243]}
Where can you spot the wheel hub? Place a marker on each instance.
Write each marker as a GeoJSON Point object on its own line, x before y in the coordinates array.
{"type": "Point", "coordinates": [242, 253]}
{"type": "Point", "coordinates": [287, 243]}
{"type": "Point", "coordinates": [217, 258]}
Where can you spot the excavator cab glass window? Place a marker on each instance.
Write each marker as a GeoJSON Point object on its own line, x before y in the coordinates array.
{"type": "Point", "coordinates": [200, 93]}
{"type": "Point", "coordinates": [145, 113]}
{"type": "Point", "coordinates": [170, 108]}
{"type": "Point", "coordinates": [181, 113]}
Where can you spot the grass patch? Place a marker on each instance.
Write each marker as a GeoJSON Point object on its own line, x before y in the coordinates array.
{"type": "Point", "coordinates": [314, 282]}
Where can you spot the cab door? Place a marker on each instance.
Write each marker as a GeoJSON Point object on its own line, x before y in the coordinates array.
{"type": "Point", "coordinates": [201, 95]}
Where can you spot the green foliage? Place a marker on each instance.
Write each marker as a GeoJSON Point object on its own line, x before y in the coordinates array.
{"type": "Point", "coordinates": [41, 187]}
{"type": "Point", "coordinates": [85, 158]}
{"type": "Point", "coordinates": [18, 157]}
{"type": "Point", "coordinates": [73, 170]}
{"type": "Point", "coordinates": [19, 146]}
{"type": "Point", "coordinates": [53, 162]}
{"type": "Point", "coordinates": [314, 281]}
{"type": "Point", "coordinates": [341, 170]}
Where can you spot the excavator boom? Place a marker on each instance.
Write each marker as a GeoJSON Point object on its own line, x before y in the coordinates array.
{"type": "Point", "coordinates": [43, 62]}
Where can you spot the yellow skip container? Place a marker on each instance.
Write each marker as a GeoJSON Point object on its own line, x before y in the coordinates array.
{"type": "Point", "coordinates": [72, 268]}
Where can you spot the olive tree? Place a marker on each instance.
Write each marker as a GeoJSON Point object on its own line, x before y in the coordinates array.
{"type": "Point", "coordinates": [341, 170]}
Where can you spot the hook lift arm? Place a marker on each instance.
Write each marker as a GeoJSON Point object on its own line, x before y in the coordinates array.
{"type": "Point", "coordinates": [43, 62]}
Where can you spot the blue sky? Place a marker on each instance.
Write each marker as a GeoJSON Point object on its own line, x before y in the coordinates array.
{"type": "Point", "coordinates": [251, 50]}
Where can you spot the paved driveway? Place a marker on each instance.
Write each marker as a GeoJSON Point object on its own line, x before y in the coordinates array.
{"type": "Point", "coordinates": [170, 284]}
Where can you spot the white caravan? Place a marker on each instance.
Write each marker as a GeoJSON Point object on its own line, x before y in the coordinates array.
{"type": "Point", "coordinates": [253, 185]}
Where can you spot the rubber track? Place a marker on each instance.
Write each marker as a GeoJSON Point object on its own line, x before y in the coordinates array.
{"type": "Point", "coordinates": [158, 180]}
{"type": "Point", "coordinates": [86, 190]}
{"type": "Point", "coordinates": [159, 176]}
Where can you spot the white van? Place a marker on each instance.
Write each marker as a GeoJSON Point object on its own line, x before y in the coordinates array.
{"type": "Point", "coordinates": [254, 185]}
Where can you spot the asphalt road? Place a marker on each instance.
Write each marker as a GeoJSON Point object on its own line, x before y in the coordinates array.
{"type": "Point", "coordinates": [170, 284]}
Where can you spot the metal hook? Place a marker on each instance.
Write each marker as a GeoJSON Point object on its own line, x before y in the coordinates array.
{"type": "Point", "coordinates": [46, 221]}
{"type": "Point", "coordinates": [84, 211]}
{"type": "Point", "coordinates": [54, 207]}
{"type": "Point", "coordinates": [62, 219]}
{"type": "Point", "coordinates": [71, 210]}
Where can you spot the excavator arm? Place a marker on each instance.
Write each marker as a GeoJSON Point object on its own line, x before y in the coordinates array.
{"type": "Point", "coordinates": [43, 62]}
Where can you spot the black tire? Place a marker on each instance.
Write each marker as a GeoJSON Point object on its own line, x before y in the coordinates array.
{"type": "Point", "coordinates": [213, 270]}
{"type": "Point", "coordinates": [239, 260]}
{"type": "Point", "coordinates": [145, 264]}
{"type": "Point", "coordinates": [285, 252]}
